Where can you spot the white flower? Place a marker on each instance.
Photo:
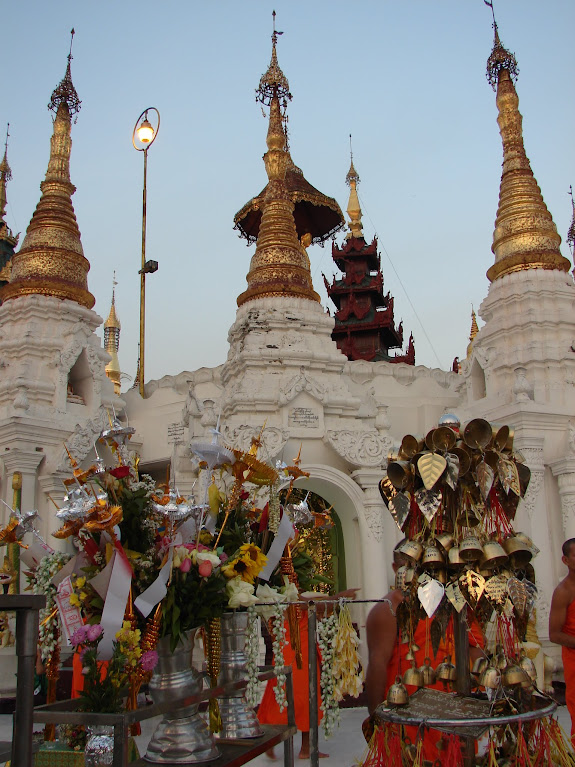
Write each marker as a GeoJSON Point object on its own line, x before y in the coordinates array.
{"type": "Point", "coordinates": [208, 556]}
{"type": "Point", "coordinates": [266, 593]}
{"type": "Point", "coordinates": [240, 592]}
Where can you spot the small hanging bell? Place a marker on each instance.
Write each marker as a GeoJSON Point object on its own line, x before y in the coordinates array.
{"type": "Point", "coordinates": [446, 671]}
{"type": "Point", "coordinates": [413, 676]}
{"type": "Point", "coordinates": [490, 678]}
{"type": "Point", "coordinates": [397, 694]}
{"type": "Point", "coordinates": [513, 675]}
{"type": "Point", "coordinates": [528, 666]}
{"type": "Point", "coordinates": [427, 672]}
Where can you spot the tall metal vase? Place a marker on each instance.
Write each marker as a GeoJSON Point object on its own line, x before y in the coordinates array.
{"type": "Point", "coordinates": [238, 718]}
{"type": "Point", "coordinates": [182, 735]}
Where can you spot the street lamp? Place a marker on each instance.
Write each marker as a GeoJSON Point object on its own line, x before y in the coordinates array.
{"type": "Point", "coordinates": [143, 137]}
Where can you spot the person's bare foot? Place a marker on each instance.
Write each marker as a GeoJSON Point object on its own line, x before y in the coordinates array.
{"type": "Point", "coordinates": [271, 754]}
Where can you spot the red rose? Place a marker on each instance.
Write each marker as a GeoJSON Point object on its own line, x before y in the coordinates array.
{"type": "Point", "coordinates": [120, 472]}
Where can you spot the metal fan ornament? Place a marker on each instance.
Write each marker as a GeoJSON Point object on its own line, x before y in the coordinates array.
{"type": "Point", "coordinates": [213, 453]}
{"type": "Point", "coordinates": [117, 434]}
{"type": "Point", "coordinates": [300, 513]}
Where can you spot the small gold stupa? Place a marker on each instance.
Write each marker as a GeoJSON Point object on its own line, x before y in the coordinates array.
{"type": "Point", "coordinates": [525, 236]}
{"type": "Point", "coordinates": [51, 260]}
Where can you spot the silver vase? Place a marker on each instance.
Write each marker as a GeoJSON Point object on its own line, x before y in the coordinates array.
{"type": "Point", "coordinates": [182, 735]}
{"type": "Point", "coordinates": [99, 751]}
{"type": "Point", "coordinates": [238, 718]}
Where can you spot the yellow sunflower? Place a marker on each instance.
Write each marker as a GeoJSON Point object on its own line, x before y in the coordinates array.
{"type": "Point", "coordinates": [255, 554]}
{"type": "Point", "coordinates": [240, 566]}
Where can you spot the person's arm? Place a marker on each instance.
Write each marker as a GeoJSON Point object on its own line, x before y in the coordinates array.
{"type": "Point", "coordinates": [381, 632]}
{"type": "Point", "coordinates": [557, 616]}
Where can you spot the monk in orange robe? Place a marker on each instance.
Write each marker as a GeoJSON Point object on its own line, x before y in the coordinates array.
{"type": "Point", "coordinates": [562, 626]}
{"type": "Point", "coordinates": [387, 659]}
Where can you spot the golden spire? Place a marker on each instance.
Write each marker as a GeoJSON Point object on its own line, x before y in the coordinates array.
{"type": "Point", "coordinates": [280, 266]}
{"type": "Point", "coordinates": [571, 232]}
{"type": "Point", "coordinates": [525, 236]}
{"type": "Point", "coordinates": [7, 240]}
{"type": "Point", "coordinates": [5, 176]}
{"type": "Point", "coordinates": [473, 332]}
{"type": "Point", "coordinates": [51, 260]}
{"type": "Point", "coordinates": [353, 207]}
{"type": "Point", "coordinates": [112, 329]}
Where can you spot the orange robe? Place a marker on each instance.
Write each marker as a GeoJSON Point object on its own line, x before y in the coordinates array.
{"type": "Point", "coordinates": [398, 665]}
{"type": "Point", "coordinates": [269, 712]}
{"type": "Point", "coordinates": [568, 654]}
{"type": "Point", "coordinates": [78, 677]}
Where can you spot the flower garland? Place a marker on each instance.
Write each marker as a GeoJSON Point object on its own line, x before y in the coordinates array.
{"type": "Point", "coordinates": [326, 633]}
{"type": "Point", "coordinates": [347, 670]}
{"type": "Point", "coordinates": [279, 641]}
{"type": "Point", "coordinates": [49, 616]}
{"type": "Point", "coordinates": [252, 656]}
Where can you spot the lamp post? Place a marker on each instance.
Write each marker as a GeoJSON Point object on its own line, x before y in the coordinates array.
{"type": "Point", "coordinates": [143, 137]}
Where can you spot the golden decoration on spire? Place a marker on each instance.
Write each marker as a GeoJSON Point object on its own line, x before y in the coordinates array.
{"type": "Point", "coordinates": [112, 329]}
{"type": "Point", "coordinates": [353, 208]}
{"type": "Point", "coordinates": [280, 266]}
{"type": "Point", "coordinates": [7, 240]}
{"type": "Point", "coordinates": [525, 236]}
{"type": "Point", "coordinates": [473, 332]}
{"type": "Point", "coordinates": [571, 232]}
{"type": "Point", "coordinates": [51, 261]}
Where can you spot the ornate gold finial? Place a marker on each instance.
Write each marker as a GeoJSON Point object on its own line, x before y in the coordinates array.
{"type": "Point", "coordinates": [7, 240]}
{"type": "Point", "coordinates": [500, 57]}
{"type": "Point", "coordinates": [5, 175]}
{"type": "Point", "coordinates": [51, 261]}
{"type": "Point", "coordinates": [525, 236]}
{"type": "Point", "coordinates": [473, 332]}
{"type": "Point", "coordinates": [280, 265]}
{"type": "Point", "coordinates": [112, 329]}
{"type": "Point", "coordinates": [571, 232]}
{"type": "Point", "coordinates": [353, 207]}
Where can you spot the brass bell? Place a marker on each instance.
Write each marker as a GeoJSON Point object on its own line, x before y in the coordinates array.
{"type": "Point", "coordinates": [443, 438]}
{"type": "Point", "coordinates": [528, 542]}
{"type": "Point", "coordinates": [493, 555]}
{"type": "Point", "coordinates": [412, 550]}
{"type": "Point", "coordinates": [477, 434]}
{"type": "Point", "coordinates": [513, 675]}
{"type": "Point", "coordinates": [500, 436]}
{"type": "Point", "coordinates": [528, 666]}
{"type": "Point", "coordinates": [429, 440]}
{"type": "Point", "coordinates": [470, 549]}
{"type": "Point", "coordinates": [400, 473]}
{"type": "Point", "coordinates": [500, 661]}
{"type": "Point", "coordinates": [403, 577]}
{"type": "Point", "coordinates": [480, 665]}
{"type": "Point", "coordinates": [490, 678]}
{"type": "Point", "coordinates": [410, 445]}
{"type": "Point", "coordinates": [446, 671]}
{"type": "Point", "coordinates": [454, 559]}
{"type": "Point", "coordinates": [397, 694]}
{"type": "Point", "coordinates": [413, 676]}
{"type": "Point", "coordinates": [427, 672]}
{"type": "Point", "coordinates": [432, 557]}
{"type": "Point", "coordinates": [445, 541]}
{"type": "Point", "coordinates": [518, 550]}
{"type": "Point", "coordinates": [462, 452]}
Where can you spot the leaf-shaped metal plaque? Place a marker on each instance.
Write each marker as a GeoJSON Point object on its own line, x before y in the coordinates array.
{"type": "Point", "coordinates": [517, 594]}
{"type": "Point", "coordinates": [429, 502]}
{"type": "Point", "coordinates": [430, 595]}
{"type": "Point", "coordinates": [485, 476]}
{"type": "Point", "coordinates": [399, 507]}
{"type": "Point", "coordinates": [496, 591]}
{"type": "Point", "coordinates": [452, 473]}
{"type": "Point", "coordinates": [472, 586]}
{"type": "Point", "coordinates": [453, 593]}
{"type": "Point", "coordinates": [386, 490]}
{"type": "Point", "coordinates": [431, 466]}
{"type": "Point", "coordinates": [531, 590]}
{"type": "Point", "coordinates": [509, 476]}
{"type": "Point", "coordinates": [439, 625]}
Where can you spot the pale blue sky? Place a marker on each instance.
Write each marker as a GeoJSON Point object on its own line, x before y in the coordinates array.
{"type": "Point", "coordinates": [406, 78]}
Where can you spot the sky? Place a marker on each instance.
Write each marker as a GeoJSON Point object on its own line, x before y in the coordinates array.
{"type": "Point", "coordinates": [405, 77]}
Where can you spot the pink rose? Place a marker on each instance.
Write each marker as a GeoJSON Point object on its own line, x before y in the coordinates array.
{"type": "Point", "coordinates": [186, 565]}
{"type": "Point", "coordinates": [205, 569]}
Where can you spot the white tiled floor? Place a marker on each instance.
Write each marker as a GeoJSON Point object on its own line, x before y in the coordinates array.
{"type": "Point", "coordinates": [345, 747]}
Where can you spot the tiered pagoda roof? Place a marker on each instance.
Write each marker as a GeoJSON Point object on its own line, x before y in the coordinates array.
{"type": "Point", "coordinates": [364, 320]}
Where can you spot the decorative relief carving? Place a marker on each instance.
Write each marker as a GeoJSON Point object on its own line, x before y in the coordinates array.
{"type": "Point", "coordinates": [361, 448]}
{"type": "Point", "coordinates": [299, 383]}
{"type": "Point", "coordinates": [374, 519]}
{"type": "Point", "coordinates": [534, 459]}
{"type": "Point", "coordinates": [567, 511]}
{"type": "Point", "coordinates": [82, 439]}
{"type": "Point", "coordinates": [542, 607]}
{"type": "Point", "coordinates": [273, 439]}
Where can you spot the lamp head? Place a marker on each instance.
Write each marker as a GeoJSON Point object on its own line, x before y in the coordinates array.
{"type": "Point", "coordinates": [145, 131]}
